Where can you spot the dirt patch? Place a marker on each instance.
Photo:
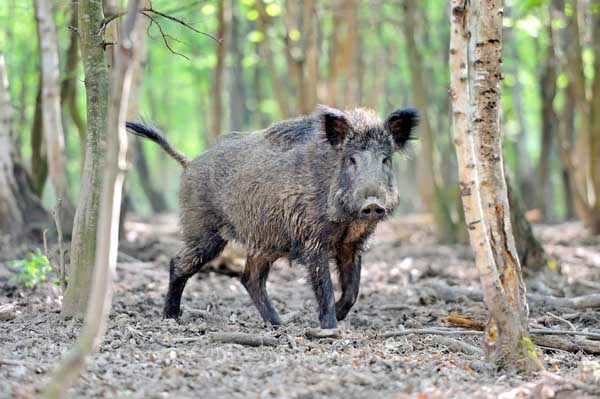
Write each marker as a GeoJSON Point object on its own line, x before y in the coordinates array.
{"type": "Point", "coordinates": [143, 356]}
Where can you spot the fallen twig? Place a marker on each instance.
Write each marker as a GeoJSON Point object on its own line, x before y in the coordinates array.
{"type": "Point", "coordinates": [244, 339]}
{"type": "Point", "coordinates": [457, 345]}
{"type": "Point", "coordinates": [569, 344]}
{"type": "Point", "coordinates": [464, 321]}
{"type": "Point", "coordinates": [428, 331]}
{"type": "Point", "coordinates": [322, 333]}
{"type": "Point", "coordinates": [567, 322]}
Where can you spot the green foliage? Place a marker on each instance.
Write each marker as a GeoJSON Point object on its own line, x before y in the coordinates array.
{"type": "Point", "coordinates": [32, 270]}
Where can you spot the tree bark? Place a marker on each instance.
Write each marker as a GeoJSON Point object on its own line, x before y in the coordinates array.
{"type": "Point", "coordinates": [20, 209]}
{"type": "Point", "coordinates": [549, 124]}
{"type": "Point", "coordinates": [155, 197]}
{"type": "Point", "coordinates": [83, 245]}
{"type": "Point", "coordinates": [51, 111]}
{"type": "Point", "coordinates": [224, 18]}
{"type": "Point", "coordinates": [302, 52]}
{"type": "Point", "coordinates": [39, 163]}
{"type": "Point", "coordinates": [238, 114]}
{"type": "Point", "coordinates": [428, 185]}
{"type": "Point", "coordinates": [107, 236]}
{"type": "Point", "coordinates": [344, 39]}
{"type": "Point", "coordinates": [475, 56]}
{"type": "Point", "coordinates": [595, 121]}
{"type": "Point", "coordinates": [68, 89]}
{"type": "Point", "coordinates": [277, 82]}
{"type": "Point", "coordinates": [531, 253]}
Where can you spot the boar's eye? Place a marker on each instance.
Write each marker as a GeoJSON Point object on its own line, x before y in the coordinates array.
{"type": "Point", "coordinates": [352, 161]}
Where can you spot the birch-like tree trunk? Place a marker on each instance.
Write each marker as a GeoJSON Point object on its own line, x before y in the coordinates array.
{"type": "Point", "coordinates": [51, 110]}
{"type": "Point", "coordinates": [475, 57]}
{"type": "Point", "coordinates": [107, 235]}
{"type": "Point", "coordinates": [19, 207]}
{"type": "Point", "coordinates": [83, 245]}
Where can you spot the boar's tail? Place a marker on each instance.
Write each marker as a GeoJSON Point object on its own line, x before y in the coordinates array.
{"type": "Point", "coordinates": [148, 132]}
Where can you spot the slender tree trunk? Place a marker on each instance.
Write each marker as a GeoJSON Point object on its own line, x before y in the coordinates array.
{"type": "Point", "coordinates": [238, 114]}
{"type": "Point", "coordinates": [310, 23]}
{"type": "Point", "coordinates": [83, 245]}
{"type": "Point", "coordinates": [428, 186]}
{"type": "Point", "coordinates": [475, 53]}
{"type": "Point", "coordinates": [342, 52]}
{"type": "Point", "coordinates": [595, 121]}
{"type": "Point", "coordinates": [549, 125]}
{"type": "Point", "coordinates": [155, 197]}
{"type": "Point", "coordinates": [531, 253]}
{"type": "Point", "coordinates": [107, 236]}
{"type": "Point", "coordinates": [224, 18]}
{"type": "Point", "coordinates": [19, 207]}
{"type": "Point", "coordinates": [51, 113]}
{"type": "Point", "coordinates": [39, 163]}
{"type": "Point", "coordinates": [582, 140]}
{"type": "Point", "coordinates": [68, 89]}
{"type": "Point", "coordinates": [277, 82]}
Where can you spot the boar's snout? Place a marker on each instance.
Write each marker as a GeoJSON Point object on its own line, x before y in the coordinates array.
{"type": "Point", "coordinates": [372, 209]}
{"type": "Point", "coordinates": [369, 199]}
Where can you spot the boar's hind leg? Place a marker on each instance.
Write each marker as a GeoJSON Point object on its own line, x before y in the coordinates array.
{"type": "Point", "coordinates": [185, 265]}
{"type": "Point", "coordinates": [254, 278]}
{"type": "Point", "coordinates": [349, 263]}
{"type": "Point", "coordinates": [318, 265]}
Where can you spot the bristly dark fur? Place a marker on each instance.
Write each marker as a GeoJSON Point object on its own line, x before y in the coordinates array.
{"type": "Point", "coordinates": [309, 189]}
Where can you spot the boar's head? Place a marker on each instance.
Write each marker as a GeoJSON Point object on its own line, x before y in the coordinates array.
{"type": "Point", "coordinates": [363, 186]}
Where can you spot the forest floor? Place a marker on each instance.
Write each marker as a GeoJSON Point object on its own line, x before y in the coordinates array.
{"type": "Point", "coordinates": [406, 276]}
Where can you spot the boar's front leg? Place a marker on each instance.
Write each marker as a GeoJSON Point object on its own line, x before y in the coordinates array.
{"type": "Point", "coordinates": [318, 265]}
{"type": "Point", "coordinates": [254, 278]}
{"type": "Point", "coordinates": [349, 264]}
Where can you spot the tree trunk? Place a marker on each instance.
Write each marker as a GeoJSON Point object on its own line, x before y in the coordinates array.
{"type": "Point", "coordinates": [277, 82]}
{"type": "Point", "coordinates": [475, 53]}
{"type": "Point", "coordinates": [51, 113]}
{"type": "Point", "coordinates": [531, 253]}
{"type": "Point", "coordinates": [342, 52]}
{"type": "Point", "coordinates": [39, 163]}
{"type": "Point", "coordinates": [549, 125]}
{"type": "Point", "coordinates": [68, 89]}
{"type": "Point", "coordinates": [302, 52]}
{"type": "Point", "coordinates": [238, 114]}
{"type": "Point", "coordinates": [83, 245]}
{"type": "Point", "coordinates": [20, 209]}
{"type": "Point", "coordinates": [595, 121]}
{"type": "Point", "coordinates": [576, 75]}
{"type": "Point", "coordinates": [154, 196]}
{"type": "Point", "coordinates": [428, 186]}
{"type": "Point", "coordinates": [224, 18]}
{"type": "Point", "coordinates": [107, 236]}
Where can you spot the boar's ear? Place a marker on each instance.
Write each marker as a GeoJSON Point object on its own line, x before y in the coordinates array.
{"type": "Point", "coordinates": [334, 123]}
{"type": "Point", "coordinates": [400, 124]}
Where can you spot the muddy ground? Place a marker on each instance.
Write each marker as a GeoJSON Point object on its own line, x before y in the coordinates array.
{"type": "Point", "coordinates": [143, 356]}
